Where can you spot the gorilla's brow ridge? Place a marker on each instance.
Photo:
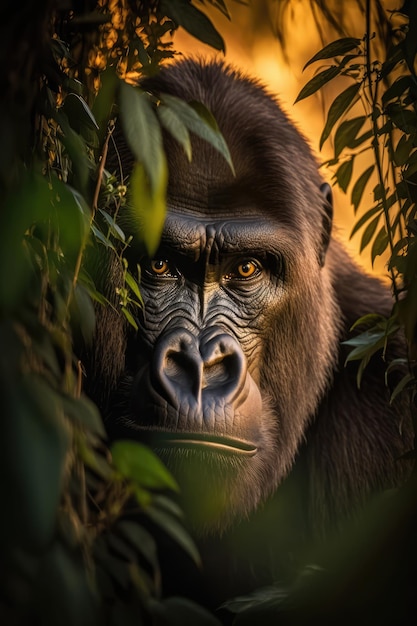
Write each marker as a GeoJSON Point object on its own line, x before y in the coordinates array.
{"type": "Point", "coordinates": [193, 237]}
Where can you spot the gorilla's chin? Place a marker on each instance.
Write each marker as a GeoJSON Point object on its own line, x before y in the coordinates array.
{"type": "Point", "coordinates": [210, 481]}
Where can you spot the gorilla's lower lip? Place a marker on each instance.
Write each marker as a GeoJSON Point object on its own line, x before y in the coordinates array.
{"type": "Point", "coordinates": [199, 441]}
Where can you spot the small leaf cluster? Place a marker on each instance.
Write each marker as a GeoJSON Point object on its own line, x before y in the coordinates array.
{"type": "Point", "coordinates": [135, 36]}
{"type": "Point", "coordinates": [383, 90]}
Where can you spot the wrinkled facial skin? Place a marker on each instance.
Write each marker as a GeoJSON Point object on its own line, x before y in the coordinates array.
{"type": "Point", "coordinates": [217, 299]}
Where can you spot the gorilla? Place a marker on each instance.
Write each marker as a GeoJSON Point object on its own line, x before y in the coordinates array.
{"type": "Point", "coordinates": [237, 375]}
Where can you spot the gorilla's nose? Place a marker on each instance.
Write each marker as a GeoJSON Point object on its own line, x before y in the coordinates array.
{"type": "Point", "coordinates": [193, 370]}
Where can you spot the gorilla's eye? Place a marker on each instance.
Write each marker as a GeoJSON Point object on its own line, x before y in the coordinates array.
{"type": "Point", "coordinates": [160, 267]}
{"type": "Point", "coordinates": [246, 269]}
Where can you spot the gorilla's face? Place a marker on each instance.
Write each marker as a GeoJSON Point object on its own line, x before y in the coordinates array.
{"type": "Point", "coordinates": [224, 373]}
{"type": "Point", "coordinates": [237, 339]}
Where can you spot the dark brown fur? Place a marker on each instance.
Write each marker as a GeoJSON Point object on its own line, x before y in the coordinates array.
{"type": "Point", "coordinates": [332, 445]}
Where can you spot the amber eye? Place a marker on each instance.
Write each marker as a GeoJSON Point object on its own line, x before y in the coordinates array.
{"type": "Point", "coordinates": [159, 267]}
{"type": "Point", "coordinates": [247, 269]}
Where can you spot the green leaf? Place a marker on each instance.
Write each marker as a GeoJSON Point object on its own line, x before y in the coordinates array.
{"type": "Point", "coordinates": [369, 233]}
{"type": "Point", "coordinates": [62, 587]}
{"type": "Point", "coordinates": [113, 566]}
{"type": "Point", "coordinates": [412, 165]}
{"type": "Point", "coordinates": [396, 364]}
{"type": "Point", "coordinates": [335, 49]}
{"type": "Point", "coordinates": [87, 282]}
{"type": "Point", "coordinates": [137, 46]}
{"type": "Point", "coordinates": [142, 132]}
{"type": "Point", "coordinates": [344, 174]}
{"type": "Point", "coordinates": [130, 318]}
{"type": "Point", "coordinates": [210, 131]}
{"type": "Point", "coordinates": [78, 113]}
{"type": "Point", "coordinates": [106, 97]}
{"type": "Point", "coordinates": [338, 107]}
{"type": "Point", "coordinates": [407, 381]}
{"type": "Point", "coordinates": [365, 346]}
{"type": "Point", "coordinates": [70, 216]}
{"type": "Point", "coordinates": [93, 458]}
{"type": "Point", "coordinates": [365, 218]}
{"type": "Point", "coordinates": [102, 238]}
{"type": "Point", "coordinates": [359, 187]}
{"type": "Point", "coordinates": [365, 341]}
{"type": "Point", "coordinates": [77, 152]}
{"type": "Point", "coordinates": [85, 414]}
{"type": "Point", "coordinates": [140, 539]}
{"type": "Point", "coordinates": [29, 202]}
{"type": "Point", "coordinates": [395, 55]}
{"type": "Point", "coordinates": [346, 133]}
{"type": "Point", "coordinates": [198, 119]}
{"type": "Point", "coordinates": [174, 125]}
{"type": "Point", "coordinates": [148, 206]}
{"type": "Point", "coordinates": [361, 139]}
{"type": "Point", "coordinates": [104, 102]}
{"type": "Point", "coordinates": [138, 463]}
{"type": "Point", "coordinates": [408, 306]}
{"type": "Point", "coordinates": [380, 244]}
{"type": "Point", "coordinates": [397, 89]}
{"type": "Point", "coordinates": [82, 313]}
{"type": "Point", "coordinates": [403, 118]}
{"type": "Point", "coordinates": [114, 228]}
{"type": "Point", "coordinates": [370, 319]}
{"type": "Point", "coordinates": [403, 150]}
{"type": "Point", "coordinates": [133, 286]}
{"type": "Point", "coordinates": [120, 548]}
{"type": "Point", "coordinates": [166, 504]}
{"type": "Point", "coordinates": [175, 530]}
{"type": "Point", "coordinates": [32, 461]}
{"type": "Point", "coordinates": [184, 14]}
{"type": "Point", "coordinates": [379, 191]}
{"type": "Point", "coordinates": [318, 81]}
{"type": "Point", "coordinates": [400, 245]}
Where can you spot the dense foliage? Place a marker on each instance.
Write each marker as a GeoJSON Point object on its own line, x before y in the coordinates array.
{"type": "Point", "coordinates": [383, 83]}
{"type": "Point", "coordinates": [69, 553]}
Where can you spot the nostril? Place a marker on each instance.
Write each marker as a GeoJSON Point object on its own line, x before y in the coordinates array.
{"type": "Point", "coordinates": [217, 372]}
{"type": "Point", "coordinates": [224, 368]}
{"type": "Point", "coordinates": [177, 368]}
{"type": "Point", "coordinates": [178, 363]}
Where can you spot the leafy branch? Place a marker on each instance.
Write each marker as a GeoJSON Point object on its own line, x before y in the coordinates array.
{"type": "Point", "coordinates": [82, 556]}
{"type": "Point", "coordinates": [386, 88]}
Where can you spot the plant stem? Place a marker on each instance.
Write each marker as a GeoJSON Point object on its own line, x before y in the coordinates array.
{"type": "Point", "coordinates": [373, 91]}
{"type": "Point", "coordinates": [94, 206]}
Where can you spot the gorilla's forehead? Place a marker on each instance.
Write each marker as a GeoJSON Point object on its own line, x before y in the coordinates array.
{"type": "Point", "coordinates": [205, 193]}
{"type": "Point", "coordinates": [202, 235]}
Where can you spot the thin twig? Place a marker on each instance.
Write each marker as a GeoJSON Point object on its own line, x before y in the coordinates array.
{"type": "Point", "coordinates": [375, 142]}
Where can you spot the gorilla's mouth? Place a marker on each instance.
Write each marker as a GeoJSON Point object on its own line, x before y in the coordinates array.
{"type": "Point", "coordinates": [203, 441]}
